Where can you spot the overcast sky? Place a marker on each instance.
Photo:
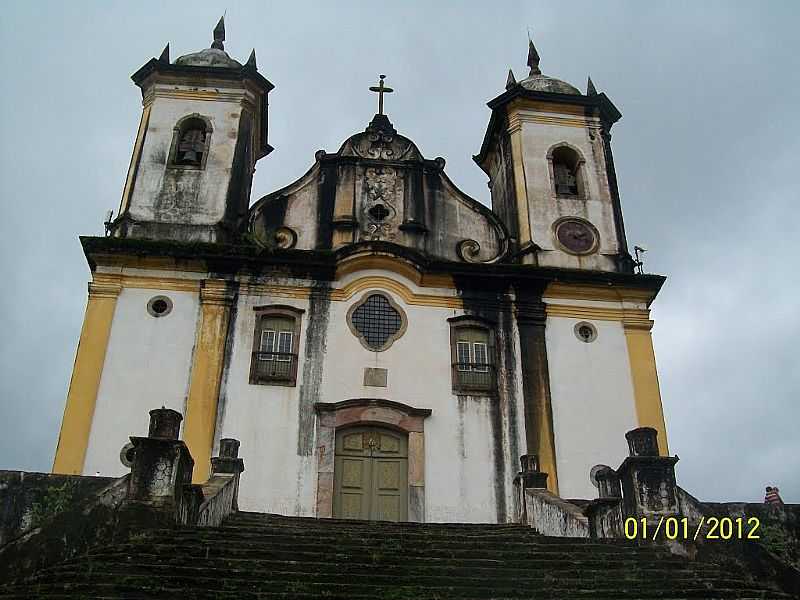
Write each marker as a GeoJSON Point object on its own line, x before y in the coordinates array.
{"type": "Point", "coordinates": [706, 154]}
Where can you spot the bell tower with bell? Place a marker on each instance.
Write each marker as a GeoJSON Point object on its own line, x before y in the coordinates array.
{"type": "Point", "coordinates": [203, 127]}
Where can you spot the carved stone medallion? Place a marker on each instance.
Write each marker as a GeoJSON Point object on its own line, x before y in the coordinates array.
{"type": "Point", "coordinates": [379, 208]}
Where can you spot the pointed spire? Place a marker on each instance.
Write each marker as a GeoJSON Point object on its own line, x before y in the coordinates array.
{"type": "Point", "coordinates": [533, 58]}
{"type": "Point", "coordinates": [219, 34]}
{"type": "Point", "coordinates": [511, 81]}
{"type": "Point", "coordinates": [164, 55]}
{"type": "Point", "coordinates": [251, 61]}
{"type": "Point", "coordinates": [590, 89]}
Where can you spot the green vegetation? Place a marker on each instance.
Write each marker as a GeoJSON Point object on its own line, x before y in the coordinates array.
{"type": "Point", "coordinates": [56, 499]}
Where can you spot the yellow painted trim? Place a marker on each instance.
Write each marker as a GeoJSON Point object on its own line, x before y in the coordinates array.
{"type": "Point", "coordinates": [385, 283]}
{"type": "Point", "coordinates": [628, 315]}
{"type": "Point", "coordinates": [137, 150]}
{"type": "Point", "coordinates": [160, 283]}
{"type": "Point", "coordinates": [365, 262]}
{"type": "Point", "coordinates": [207, 362]}
{"type": "Point", "coordinates": [76, 424]}
{"type": "Point", "coordinates": [520, 104]}
{"type": "Point", "coordinates": [547, 448]}
{"type": "Point", "coordinates": [646, 392]}
{"type": "Point", "coordinates": [165, 263]}
{"type": "Point", "coordinates": [520, 183]}
{"type": "Point", "coordinates": [602, 293]}
{"type": "Point", "coordinates": [280, 291]}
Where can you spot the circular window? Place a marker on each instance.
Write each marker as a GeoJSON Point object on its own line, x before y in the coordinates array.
{"type": "Point", "coordinates": [576, 236]}
{"type": "Point", "coordinates": [377, 321]}
{"type": "Point", "coordinates": [126, 455]}
{"type": "Point", "coordinates": [585, 332]}
{"type": "Point", "coordinates": [159, 306]}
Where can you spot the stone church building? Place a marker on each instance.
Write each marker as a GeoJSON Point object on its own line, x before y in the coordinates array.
{"type": "Point", "coordinates": [383, 345]}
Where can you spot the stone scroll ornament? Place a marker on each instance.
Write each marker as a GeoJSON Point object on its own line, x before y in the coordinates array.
{"type": "Point", "coordinates": [282, 238]}
{"type": "Point", "coordinates": [470, 250]}
{"type": "Point", "coordinates": [379, 205]}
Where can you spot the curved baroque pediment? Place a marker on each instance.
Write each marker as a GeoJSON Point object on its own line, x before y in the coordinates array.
{"type": "Point", "coordinates": [379, 187]}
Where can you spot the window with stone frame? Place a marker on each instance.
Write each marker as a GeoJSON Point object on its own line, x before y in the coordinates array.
{"type": "Point", "coordinates": [472, 356]}
{"type": "Point", "coordinates": [190, 142]}
{"type": "Point", "coordinates": [276, 342]}
{"type": "Point", "coordinates": [566, 172]}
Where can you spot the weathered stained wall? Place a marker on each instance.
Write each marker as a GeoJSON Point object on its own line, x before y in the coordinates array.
{"type": "Point", "coordinates": [469, 450]}
{"type": "Point", "coordinates": [592, 399]}
{"type": "Point", "coordinates": [538, 137]}
{"type": "Point", "coordinates": [27, 499]}
{"type": "Point", "coordinates": [147, 366]}
{"type": "Point", "coordinates": [186, 197]}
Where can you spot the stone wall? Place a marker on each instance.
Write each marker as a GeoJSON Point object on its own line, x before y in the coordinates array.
{"type": "Point", "coordinates": [28, 499]}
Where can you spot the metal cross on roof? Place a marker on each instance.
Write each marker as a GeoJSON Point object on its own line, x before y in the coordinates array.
{"type": "Point", "coordinates": [381, 89]}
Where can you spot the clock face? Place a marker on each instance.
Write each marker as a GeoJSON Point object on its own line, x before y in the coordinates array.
{"type": "Point", "coordinates": [576, 236]}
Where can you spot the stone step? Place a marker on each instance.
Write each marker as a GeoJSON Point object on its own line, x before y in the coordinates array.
{"type": "Point", "coordinates": [270, 556]}
{"type": "Point", "coordinates": [579, 545]}
{"type": "Point", "coordinates": [182, 555]}
{"type": "Point", "coordinates": [251, 517]}
{"type": "Point", "coordinates": [233, 549]}
{"type": "Point", "coordinates": [247, 574]}
{"type": "Point", "coordinates": [146, 587]}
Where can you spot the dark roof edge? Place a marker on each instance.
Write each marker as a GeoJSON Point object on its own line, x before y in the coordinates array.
{"type": "Point", "coordinates": [244, 73]}
{"type": "Point", "coordinates": [234, 256]}
{"type": "Point", "coordinates": [608, 112]}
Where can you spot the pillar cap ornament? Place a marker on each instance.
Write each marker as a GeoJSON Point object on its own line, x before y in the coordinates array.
{"type": "Point", "coordinates": [165, 424]}
{"type": "Point", "coordinates": [104, 285]}
{"type": "Point", "coordinates": [217, 291]}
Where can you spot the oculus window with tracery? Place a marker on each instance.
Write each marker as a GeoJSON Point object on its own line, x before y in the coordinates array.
{"type": "Point", "coordinates": [376, 321]}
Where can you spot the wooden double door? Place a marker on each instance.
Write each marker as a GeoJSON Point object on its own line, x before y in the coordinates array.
{"type": "Point", "coordinates": [371, 474]}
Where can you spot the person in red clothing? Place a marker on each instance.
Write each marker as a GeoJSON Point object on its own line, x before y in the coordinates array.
{"type": "Point", "coordinates": [773, 497]}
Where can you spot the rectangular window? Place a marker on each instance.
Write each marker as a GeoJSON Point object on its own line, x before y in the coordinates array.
{"type": "Point", "coordinates": [464, 359]}
{"type": "Point", "coordinates": [267, 344]}
{"type": "Point", "coordinates": [275, 346]}
{"type": "Point", "coordinates": [472, 356]}
{"type": "Point", "coordinates": [284, 346]}
{"type": "Point", "coordinates": [481, 357]}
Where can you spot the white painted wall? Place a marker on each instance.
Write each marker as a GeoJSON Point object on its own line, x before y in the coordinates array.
{"type": "Point", "coordinates": [459, 451]}
{"type": "Point", "coordinates": [165, 112]}
{"type": "Point", "coordinates": [264, 419]}
{"type": "Point", "coordinates": [592, 399]}
{"type": "Point", "coordinates": [147, 366]}
{"type": "Point", "coordinates": [545, 208]}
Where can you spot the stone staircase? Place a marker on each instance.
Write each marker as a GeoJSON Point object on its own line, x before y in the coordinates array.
{"type": "Point", "coordinates": [269, 556]}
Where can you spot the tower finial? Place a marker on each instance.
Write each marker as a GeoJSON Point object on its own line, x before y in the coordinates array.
{"type": "Point", "coordinates": [251, 61]}
{"type": "Point", "coordinates": [511, 81]}
{"type": "Point", "coordinates": [590, 89]}
{"type": "Point", "coordinates": [165, 54]}
{"type": "Point", "coordinates": [219, 34]}
{"type": "Point", "coordinates": [533, 57]}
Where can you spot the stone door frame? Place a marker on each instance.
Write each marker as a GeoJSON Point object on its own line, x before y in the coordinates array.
{"type": "Point", "coordinates": [380, 413]}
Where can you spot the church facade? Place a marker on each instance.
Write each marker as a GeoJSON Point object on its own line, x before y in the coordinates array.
{"type": "Point", "coordinates": [383, 345]}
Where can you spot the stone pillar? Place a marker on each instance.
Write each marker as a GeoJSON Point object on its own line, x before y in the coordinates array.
{"type": "Point", "coordinates": [539, 437]}
{"type": "Point", "coordinates": [162, 465]}
{"type": "Point", "coordinates": [605, 512]}
{"type": "Point", "coordinates": [530, 476]}
{"type": "Point", "coordinates": [76, 425]}
{"type": "Point", "coordinates": [648, 480]}
{"type": "Point", "coordinates": [608, 484]}
{"type": "Point", "coordinates": [216, 298]}
{"type": "Point", "coordinates": [229, 463]}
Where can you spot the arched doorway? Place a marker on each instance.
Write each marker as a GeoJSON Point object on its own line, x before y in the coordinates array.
{"type": "Point", "coordinates": [371, 474]}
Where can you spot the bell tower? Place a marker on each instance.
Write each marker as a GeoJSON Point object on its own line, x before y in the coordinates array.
{"type": "Point", "coordinates": [203, 127]}
{"type": "Point", "coordinates": [547, 152]}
